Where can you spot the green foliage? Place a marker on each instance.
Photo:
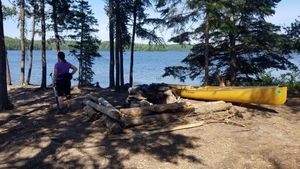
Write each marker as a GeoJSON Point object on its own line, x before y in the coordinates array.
{"type": "Point", "coordinates": [293, 32]}
{"type": "Point", "coordinates": [14, 44]}
{"type": "Point", "coordinates": [86, 45]}
{"type": "Point", "coordinates": [9, 12]}
{"type": "Point", "coordinates": [290, 79]}
{"type": "Point", "coordinates": [242, 44]}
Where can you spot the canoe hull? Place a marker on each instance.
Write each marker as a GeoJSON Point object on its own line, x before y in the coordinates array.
{"type": "Point", "coordinates": [259, 95]}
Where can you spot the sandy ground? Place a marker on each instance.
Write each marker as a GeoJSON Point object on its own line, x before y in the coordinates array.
{"type": "Point", "coordinates": [32, 136]}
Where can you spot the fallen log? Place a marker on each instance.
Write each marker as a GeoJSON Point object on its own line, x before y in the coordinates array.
{"type": "Point", "coordinates": [105, 103]}
{"type": "Point", "coordinates": [91, 97]}
{"type": "Point", "coordinates": [162, 108]}
{"type": "Point", "coordinates": [135, 121]}
{"type": "Point", "coordinates": [147, 133]}
{"type": "Point", "coordinates": [112, 126]}
{"type": "Point", "coordinates": [136, 97]}
{"type": "Point", "coordinates": [91, 113]}
{"type": "Point", "coordinates": [110, 112]}
{"type": "Point", "coordinates": [208, 107]}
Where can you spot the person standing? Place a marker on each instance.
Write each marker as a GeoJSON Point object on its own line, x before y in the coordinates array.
{"type": "Point", "coordinates": [62, 77]}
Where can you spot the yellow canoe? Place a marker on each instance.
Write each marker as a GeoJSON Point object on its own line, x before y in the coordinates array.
{"type": "Point", "coordinates": [260, 95]}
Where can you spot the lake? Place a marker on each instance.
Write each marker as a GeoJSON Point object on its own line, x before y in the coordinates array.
{"type": "Point", "coordinates": [148, 66]}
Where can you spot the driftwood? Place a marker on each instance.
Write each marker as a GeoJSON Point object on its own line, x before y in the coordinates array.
{"type": "Point", "coordinates": [147, 133]}
{"type": "Point", "coordinates": [135, 121]}
{"type": "Point", "coordinates": [109, 115]}
{"type": "Point", "coordinates": [112, 113]}
{"type": "Point", "coordinates": [153, 93]}
{"type": "Point", "coordinates": [162, 108]}
{"type": "Point", "coordinates": [112, 126]}
{"type": "Point", "coordinates": [208, 107]}
{"type": "Point", "coordinates": [91, 113]}
{"type": "Point", "coordinates": [91, 97]}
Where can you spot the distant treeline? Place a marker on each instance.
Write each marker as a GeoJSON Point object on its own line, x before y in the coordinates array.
{"type": "Point", "coordinates": [14, 44]}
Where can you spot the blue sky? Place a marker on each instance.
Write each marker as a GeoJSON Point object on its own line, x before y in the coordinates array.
{"type": "Point", "coordinates": [286, 12]}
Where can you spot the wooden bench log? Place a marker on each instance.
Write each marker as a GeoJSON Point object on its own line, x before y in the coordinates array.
{"type": "Point", "coordinates": [162, 108]}
{"type": "Point", "coordinates": [208, 107]}
{"type": "Point", "coordinates": [110, 112]}
{"type": "Point", "coordinates": [91, 113]}
{"type": "Point", "coordinates": [112, 126]}
{"type": "Point", "coordinates": [91, 97]}
{"type": "Point", "coordinates": [136, 97]}
{"type": "Point", "coordinates": [135, 121]}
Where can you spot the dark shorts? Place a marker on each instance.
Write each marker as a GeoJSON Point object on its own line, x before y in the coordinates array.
{"type": "Point", "coordinates": [63, 87]}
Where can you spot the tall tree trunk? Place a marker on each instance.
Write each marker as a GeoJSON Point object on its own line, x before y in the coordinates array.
{"type": "Point", "coordinates": [31, 44]}
{"type": "Point", "coordinates": [206, 34]}
{"type": "Point", "coordinates": [22, 39]}
{"type": "Point", "coordinates": [8, 77]}
{"type": "Point", "coordinates": [55, 27]}
{"type": "Point", "coordinates": [111, 46]}
{"type": "Point", "coordinates": [117, 56]}
{"type": "Point", "coordinates": [132, 46]}
{"type": "Point", "coordinates": [232, 62]}
{"type": "Point", "coordinates": [117, 47]}
{"type": "Point", "coordinates": [44, 63]}
{"type": "Point", "coordinates": [4, 102]}
{"type": "Point", "coordinates": [121, 61]}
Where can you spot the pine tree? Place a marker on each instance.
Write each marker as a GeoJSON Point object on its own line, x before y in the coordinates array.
{"type": "Point", "coordinates": [33, 31]}
{"type": "Point", "coordinates": [43, 29]}
{"type": "Point", "coordinates": [8, 12]}
{"type": "Point", "coordinates": [139, 19]}
{"type": "Point", "coordinates": [110, 13]}
{"type": "Point", "coordinates": [59, 14]}
{"type": "Point", "coordinates": [242, 43]}
{"type": "Point", "coordinates": [21, 4]}
{"type": "Point", "coordinates": [4, 101]}
{"type": "Point", "coordinates": [293, 33]}
{"type": "Point", "coordinates": [82, 22]}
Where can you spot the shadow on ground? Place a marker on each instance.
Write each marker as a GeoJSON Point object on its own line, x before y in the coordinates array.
{"type": "Point", "coordinates": [33, 136]}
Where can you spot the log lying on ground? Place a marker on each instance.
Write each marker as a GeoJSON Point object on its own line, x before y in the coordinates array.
{"type": "Point", "coordinates": [162, 108]}
{"type": "Point", "coordinates": [112, 113]}
{"type": "Point", "coordinates": [91, 97]}
{"type": "Point", "coordinates": [147, 133]}
{"type": "Point", "coordinates": [91, 113]}
{"type": "Point", "coordinates": [208, 107]}
{"type": "Point", "coordinates": [109, 115]}
{"type": "Point", "coordinates": [111, 125]}
{"type": "Point", "coordinates": [135, 121]}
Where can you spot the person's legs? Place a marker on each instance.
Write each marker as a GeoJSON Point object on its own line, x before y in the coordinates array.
{"type": "Point", "coordinates": [61, 102]}
{"type": "Point", "coordinates": [68, 93]}
{"type": "Point", "coordinates": [60, 93]}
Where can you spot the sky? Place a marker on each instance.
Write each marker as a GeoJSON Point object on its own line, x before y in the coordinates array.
{"type": "Point", "coordinates": [286, 12]}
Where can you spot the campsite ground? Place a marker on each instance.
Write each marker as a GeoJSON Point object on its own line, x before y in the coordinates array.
{"type": "Point", "coordinates": [33, 136]}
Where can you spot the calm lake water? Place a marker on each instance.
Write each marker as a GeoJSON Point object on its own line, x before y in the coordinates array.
{"type": "Point", "coordinates": [148, 66]}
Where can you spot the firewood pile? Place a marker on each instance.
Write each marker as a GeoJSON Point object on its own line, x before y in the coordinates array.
{"type": "Point", "coordinates": [159, 113]}
{"type": "Point", "coordinates": [147, 95]}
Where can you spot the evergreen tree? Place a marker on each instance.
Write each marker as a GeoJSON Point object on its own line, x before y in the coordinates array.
{"type": "Point", "coordinates": [242, 44]}
{"type": "Point", "coordinates": [43, 42]}
{"type": "Point", "coordinates": [110, 14]}
{"type": "Point", "coordinates": [59, 14]}
{"type": "Point", "coordinates": [8, 12]}
{"type": "Point", "coordinates": [33, 14]}
{"type": "Point", "coordinates": [139, 19]}
{"type": "Point", "coordinates": [4, 101]}
{"type": "Point", "coordinates": [21, 4]}
{"type": "Point", "coordinates": [293, 32]}
{"type": "Point", "coordinates": [82, 23]}
{"type": "Point", "coordinates": [122, 37]}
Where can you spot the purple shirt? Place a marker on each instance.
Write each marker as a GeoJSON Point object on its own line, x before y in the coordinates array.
{"type": "Point", "coordinates": [62, 68]}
